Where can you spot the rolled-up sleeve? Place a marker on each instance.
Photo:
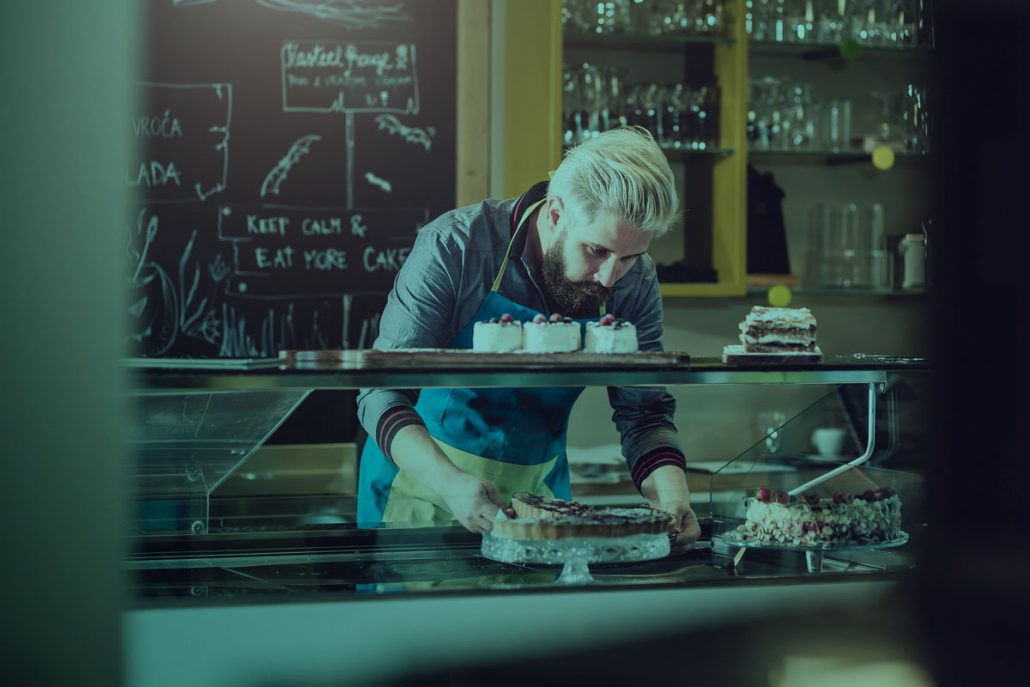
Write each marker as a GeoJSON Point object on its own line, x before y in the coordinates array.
{"type": "Point", "coordinates": [419, 314]}
{"type": "Point", "coordinates": [644, 415]}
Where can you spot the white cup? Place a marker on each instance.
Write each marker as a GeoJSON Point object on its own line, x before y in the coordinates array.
{"type": "Point", "coordinates": [828, 441]}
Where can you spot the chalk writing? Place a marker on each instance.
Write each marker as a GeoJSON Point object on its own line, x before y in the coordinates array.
{"type": "Point", "coordinates": [325, 76]}
{"type": "Point", "coordinates": [356, 227]}
{"type": "Point", "coordinates": [392, 125]}
{"type": "Point", "coordinates": [379, 183]}
{"type": "Point", "coordinates": [157, 126]}
{"type": "Point", "coordinates": [354, 14]}
{"type": "Point", "coordinates": [163, 308]}
{"type": "Point", "coordinates": [183, 133]}
{"type": "Point", "coordinates": [220, 262]}
{"type": "Point", "coordinates": [304, 251]}
{"type": "Point", "coordinates": [300, 148]}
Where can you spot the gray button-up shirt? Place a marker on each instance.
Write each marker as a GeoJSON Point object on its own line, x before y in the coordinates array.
{"type": "Point", "coordinates": [449, 273]}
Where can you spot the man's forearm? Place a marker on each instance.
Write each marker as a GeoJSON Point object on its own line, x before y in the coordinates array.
{"type": "Point", "coordinates": [415, 452]}
{"type": "Point", "coordinates": [666, 484]}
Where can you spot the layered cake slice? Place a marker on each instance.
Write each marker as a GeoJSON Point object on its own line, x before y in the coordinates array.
{"type": "Point", "coordinates": [556, 334]}
{"type": "Point", "coordinates": [778, 330]}
{"type": "Point", "coordinates": [497, 335]}
{"type": "Point", "coordinates": [610, 335]}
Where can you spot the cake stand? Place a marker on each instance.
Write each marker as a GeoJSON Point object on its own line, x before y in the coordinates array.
{"type": "Point", "coordinates": [813, 552]}
{"type": "Point", "coordinates": [576, 554]}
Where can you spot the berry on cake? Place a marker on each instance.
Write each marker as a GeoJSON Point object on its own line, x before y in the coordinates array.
{"type": "Point", "coordinates": [556, 334]}
{"type": "Point", "coordinates": [771, 518]}
{"type": "Point", "coordinates": [497, 335]}
{"type": "Point", "coordinates": [610, 335]}
{"type": "Point", "coordinates": [778, 330]}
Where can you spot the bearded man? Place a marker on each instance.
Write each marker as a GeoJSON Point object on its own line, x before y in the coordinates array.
{"type": "Point", "coordinates": [577, 247]}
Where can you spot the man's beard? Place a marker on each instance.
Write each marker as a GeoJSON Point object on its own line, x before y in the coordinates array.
{"type": "Point", "coordinates": [571, 298]}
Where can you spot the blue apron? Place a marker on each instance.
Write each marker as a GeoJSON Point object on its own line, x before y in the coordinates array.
{"type": "Point", "coordinates": [514, 437]}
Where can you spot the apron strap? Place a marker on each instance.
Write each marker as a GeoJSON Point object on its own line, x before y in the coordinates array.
{"type": "Point", "coordinates": [602, 308]}
{"type": "Point", "coordinates": [504, 263]}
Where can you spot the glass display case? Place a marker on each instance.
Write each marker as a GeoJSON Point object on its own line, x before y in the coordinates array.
{"type": "Point", "coordinates": [198, 426]}
{"type": "Point", "coordinates": [184, 445]}
{"type": "Point", "coordinates": [842, 466]}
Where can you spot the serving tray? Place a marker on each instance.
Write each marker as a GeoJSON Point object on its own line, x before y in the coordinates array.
{"type": "Point", "coordinates": [736, 355]}
{"type": "Point", "coordinates": [423, 358]}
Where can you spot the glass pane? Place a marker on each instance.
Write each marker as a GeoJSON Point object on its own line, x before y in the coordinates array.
{"type": "Point", "coordinates": [185, 444]}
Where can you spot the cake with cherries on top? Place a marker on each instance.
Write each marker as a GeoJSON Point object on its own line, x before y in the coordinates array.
{"type": "Point", "coordinates": [556, 334]}
{"type": "Point", "coordinates": [610, 335]}
{"type": "Point", "coordinates": [497, 335]}
{"type": "Point", "coordinates": [811, 520]}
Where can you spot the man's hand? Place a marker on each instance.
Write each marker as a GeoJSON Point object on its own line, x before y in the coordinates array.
{"type": "Point", "coordinates": [686, 525]}
{"type": "Point", "coordinates": [473, 501]}
{"type": "Point", "coordinates": [666, 489]}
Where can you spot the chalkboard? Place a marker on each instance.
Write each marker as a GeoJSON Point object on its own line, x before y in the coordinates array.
{"type": "Point", "coordinates": [287, 153]}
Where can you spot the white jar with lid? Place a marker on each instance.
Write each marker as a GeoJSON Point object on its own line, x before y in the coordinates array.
{"type": "Point", "coordinates": [913, 248]}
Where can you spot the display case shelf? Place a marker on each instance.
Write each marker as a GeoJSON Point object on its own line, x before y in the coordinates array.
{"type": "Point", "coordinates": [845, 293]}
{"type": "Point", "coordinates": [829, 157]}
{"type": "Point", "coordinates": [336, 376]}
{"type": "Point", "coordinates": [674, 153]}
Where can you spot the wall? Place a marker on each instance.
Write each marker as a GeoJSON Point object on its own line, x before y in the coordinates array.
{"type": "Point", "coordinates": [64, 141]}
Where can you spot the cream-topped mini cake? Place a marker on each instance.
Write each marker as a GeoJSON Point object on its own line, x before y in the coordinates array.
{"type": "Point", "coordinates": [555, 335]}
{"type": "Point", "coordinates": [610, 335]}
{"type": "Point", "coordinates": [497, 335]}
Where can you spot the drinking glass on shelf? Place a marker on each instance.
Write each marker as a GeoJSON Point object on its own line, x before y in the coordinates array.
{"type": "Point", "coordinates": [706, 112]}
{"type": "Point", "coordinates": [607, 16]}
{"type": "Point", "coordinates": [761, 20]}
{"type": "Point", "coordinates": [830, 21]}
{"type": "Point", "coordinates": [900, 22]}
{"type": "Point", "coordinates": [850, 268]}
{"type": "Point", "coordinates": [838, 124]}
{"type": "Point", "coordinates": [800, 21]}
{"type": "Point", "coordinates": [879, 258]}
{"type": "Point", "coordinates": [801, 127]}
{"type": "Point", "coordinates": [708, 16]}
{"type": "Point", "coordinates": [887, 129]}
{"type": "Point", "coordinates": [675, 113]}
{"type": "Point", "coordinates": [914, 116]}
{"type": "Point", "coordinates": [778, 21]}
{"type": "Point", "coordinates": [613, 114]}
{"type": "Point", "coordinates": [825, 233]}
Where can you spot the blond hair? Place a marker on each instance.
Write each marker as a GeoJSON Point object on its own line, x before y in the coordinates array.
{"type": "Point", "coordinates": [622, 171]}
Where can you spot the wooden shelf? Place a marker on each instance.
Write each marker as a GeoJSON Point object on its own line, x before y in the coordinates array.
{"type": "Point", "coordinates": [628, 41]}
